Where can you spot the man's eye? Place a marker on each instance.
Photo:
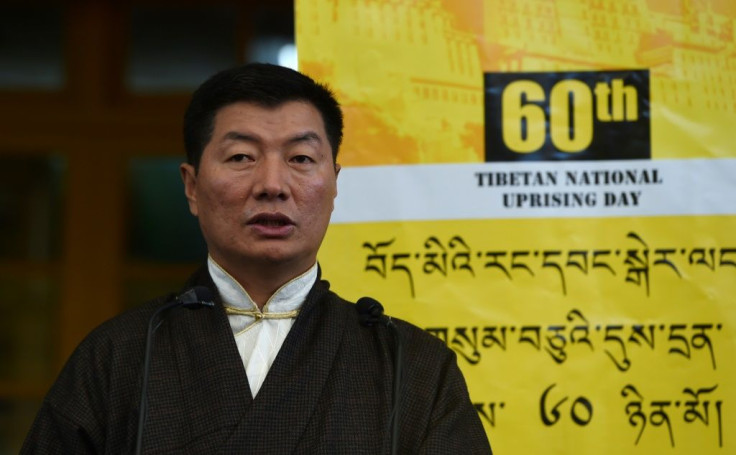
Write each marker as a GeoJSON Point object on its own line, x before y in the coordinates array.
{"type": "Point", "coordinates": [302, 159]}
{"type": "Point", "coordinates": [238, 158]}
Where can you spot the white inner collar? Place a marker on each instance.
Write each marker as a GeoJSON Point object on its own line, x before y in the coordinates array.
{"type": "Point", "coordinates": [288, 297]}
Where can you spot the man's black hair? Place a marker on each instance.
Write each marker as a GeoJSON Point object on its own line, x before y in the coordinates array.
{"type": "Point", "coordinates": [265, 85]}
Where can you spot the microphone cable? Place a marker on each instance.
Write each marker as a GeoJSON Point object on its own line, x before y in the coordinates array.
{"type": "Point", "coordinates": [195, 298]}
{"type": "Point", "coordinates": [371, 313]}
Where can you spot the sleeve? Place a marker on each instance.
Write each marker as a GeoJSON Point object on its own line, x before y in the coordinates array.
{"type": "Point", "coordinates": [437, 409]}
{"type": "Point", "coordinates": [53, 433]}
{"type": "Point", "coordinates": [454, 426]}
{"type": "Point", "coordinates": [73, 415]}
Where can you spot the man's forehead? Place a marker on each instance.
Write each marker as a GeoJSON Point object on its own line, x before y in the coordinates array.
{"type": "Point", "coordinates": [268, 107]}
{"type": "Point", "coordinates": [242, 111]}
{"type": "Point", "coordinates": [233, 123]}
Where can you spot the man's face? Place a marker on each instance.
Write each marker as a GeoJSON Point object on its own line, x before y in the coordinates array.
{"type": "Point", "coordinates": [266, 186]}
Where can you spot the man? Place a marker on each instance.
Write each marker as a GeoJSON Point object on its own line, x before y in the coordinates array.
{"type": "Point", "coordinates": [280, 364]}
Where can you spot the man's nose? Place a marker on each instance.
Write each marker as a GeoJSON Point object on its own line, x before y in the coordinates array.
{"type": "Point", "coordinates": [271, 180]}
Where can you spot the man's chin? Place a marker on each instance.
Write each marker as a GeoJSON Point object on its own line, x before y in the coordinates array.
{"type": "Point", "coordinates": [273, 257]}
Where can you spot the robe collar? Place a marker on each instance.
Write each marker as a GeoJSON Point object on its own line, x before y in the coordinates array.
{"type": "Point", "coordinates": [288, 299]}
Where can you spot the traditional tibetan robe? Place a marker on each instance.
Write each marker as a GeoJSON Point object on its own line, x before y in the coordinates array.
{"type": "Point", "coordinates": [329, 389]}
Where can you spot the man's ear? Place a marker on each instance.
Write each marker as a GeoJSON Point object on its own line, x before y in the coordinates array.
{"type": "Point", "coordinates": [189, 177]}
{"type": "Point", "coordinates": [337, 173]}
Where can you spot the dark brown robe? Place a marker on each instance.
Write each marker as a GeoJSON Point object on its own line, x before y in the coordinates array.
{"type": "Point", "coordinates": [328, 391]}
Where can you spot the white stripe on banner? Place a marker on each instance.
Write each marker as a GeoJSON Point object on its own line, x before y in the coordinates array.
{"type": "Point", "coordinates": [536, 190]}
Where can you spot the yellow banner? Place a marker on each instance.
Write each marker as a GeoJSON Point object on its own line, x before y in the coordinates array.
{"type": "Point", "coordinates": [584, 267]}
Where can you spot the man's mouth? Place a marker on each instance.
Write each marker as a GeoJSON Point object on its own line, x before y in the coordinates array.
{"type": "Point", "coordinates": [270, 220]}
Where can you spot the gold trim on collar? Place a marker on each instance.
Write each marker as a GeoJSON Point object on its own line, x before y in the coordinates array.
{"type": "Point", "coordinates": [258, 315]}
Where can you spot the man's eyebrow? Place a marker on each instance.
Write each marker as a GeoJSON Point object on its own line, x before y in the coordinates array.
{"type": "Point", "coordinates": [236, 136]}
{"type": "Point", "coordinates": [309, 136]}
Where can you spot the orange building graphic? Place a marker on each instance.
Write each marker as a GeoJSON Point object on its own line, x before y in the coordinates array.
{"type": "Point", "coordinates": [410, 74]}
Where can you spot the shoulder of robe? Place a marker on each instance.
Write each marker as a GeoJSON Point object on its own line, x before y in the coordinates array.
{"type": "Point", "coordinates": [128, 327]}
{"type": "Point", "coordinates": [117, 342]}
{"type": "Point", "coordinates": [417, 341]}
{"type": "Point", "coordinates": [105, 363]}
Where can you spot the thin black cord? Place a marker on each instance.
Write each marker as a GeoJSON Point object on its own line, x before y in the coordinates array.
{"type": "Point", "coordinates": [371, 312]}
{"type": "Point", "coordinates": [195, 298]}
{"type": "Point", "coordinates": [398, 364]}
{"type": "Point", "coordinates": [142, 412]}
